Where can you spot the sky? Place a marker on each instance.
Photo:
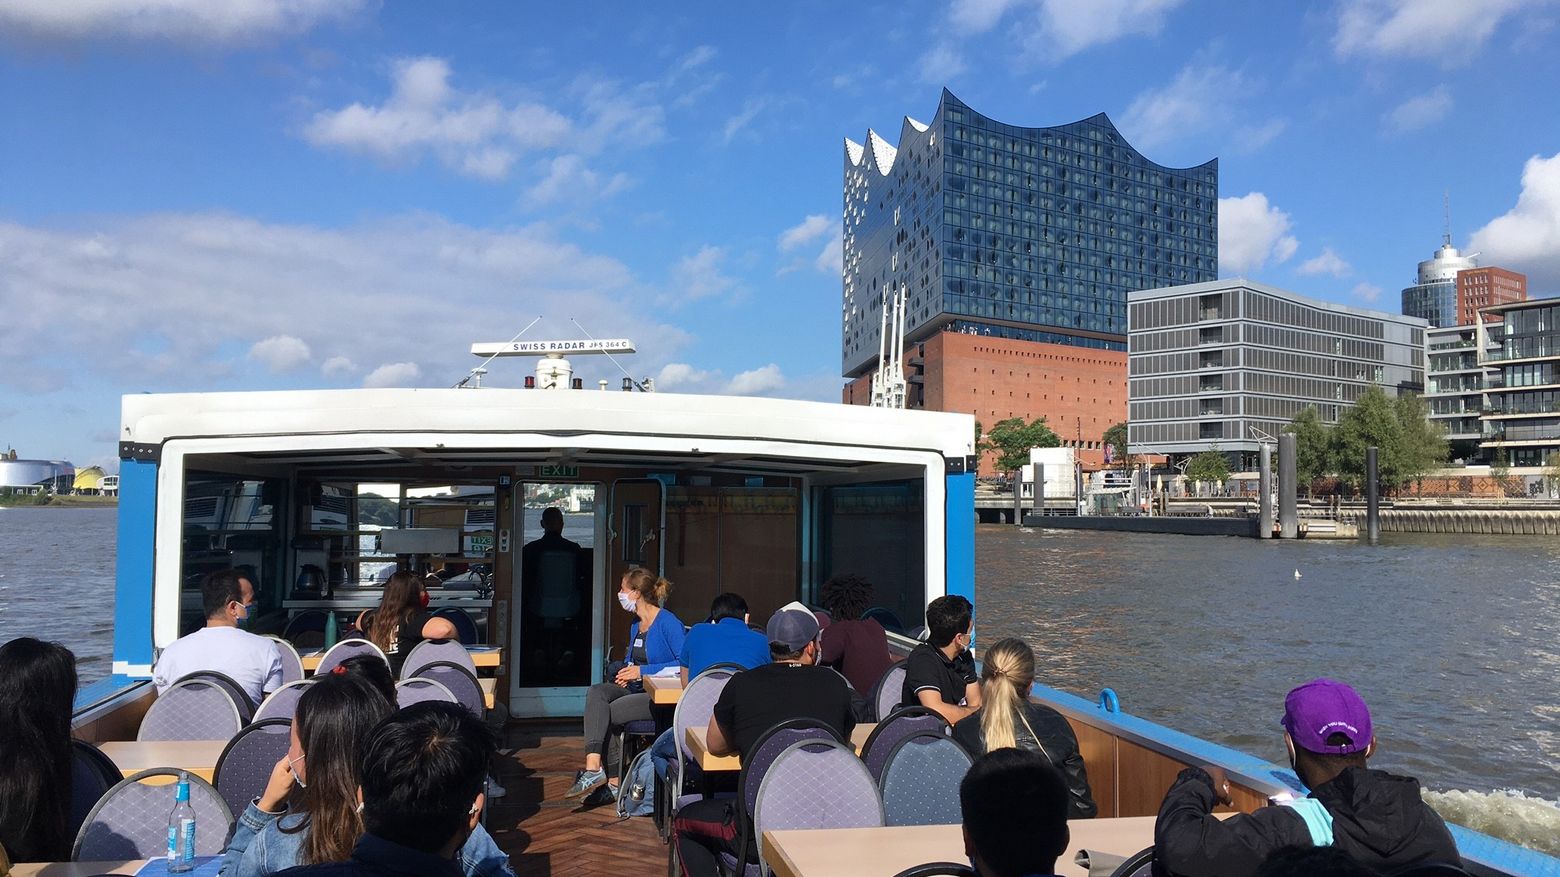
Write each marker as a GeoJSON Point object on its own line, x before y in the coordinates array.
{"type": "Point", "coordinates": [280, 194]}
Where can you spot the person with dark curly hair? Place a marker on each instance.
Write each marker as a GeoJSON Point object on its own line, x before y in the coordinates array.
{"type": "Point", "coordinates": [855, 646]}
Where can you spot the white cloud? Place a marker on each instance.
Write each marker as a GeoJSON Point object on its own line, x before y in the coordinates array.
{"type": "Point", "coordinates": [1058, 29]}
{"type": "Point", "coordinates": [676, 375]}
{"type": "Point", "coordinates": [734, 125]}
{"type": "Point", "coordinates": [1527, 237]}
{"type": "Point", "coordinates": [1326, 262]}
{"type": "Point", "coordinates": [807, 233]}
{"type": "Point", "coordinates": [1367, 292]}
{"type": "Point", "coordinates": [941, 63]}
{"type": "Point", "coordinates": [700, 276]}
{"type": "Point", "coordinates": [393, 374]}
{"type": "Point", "coordinates": [187, 21]}
{"type": "Point", "coordinates": [756, 382]}
{"type": "Point", "coordinates": [1198, 99]}
{"type": "Point", "coordinates": [568, 179]}
{"type": "Point", "coordinates": [1250, 138]}
{"type": "Point", "coordinates": [977, 16]}
{"type": "Point", "coordinates": [170, 303]}
{"type": "Point", "coordinates": [1450, 31]}
{"type": "Point", "coordinates": [280, 353]}
{"type": "Point", "coordinates": [1251, 232]}
{"type": "Point", "coordinates": [1420, 111]}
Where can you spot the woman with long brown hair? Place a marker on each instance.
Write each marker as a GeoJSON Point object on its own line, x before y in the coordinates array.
{"type": "Point", "coordinates": [309, 813]}
{"type": "Point", "coordinates": [37, 694]}
{"type": "Point", "coordinates": [1008, 718]}
{"type": "Point", "coordinates": [402, 619]}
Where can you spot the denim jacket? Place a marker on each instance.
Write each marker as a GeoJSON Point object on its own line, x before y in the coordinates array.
{"type": "Point", "coordinates": [260, 847]}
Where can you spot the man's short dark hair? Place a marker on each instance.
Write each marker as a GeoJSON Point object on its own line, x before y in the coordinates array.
{"type": "Point", "coordinates": [728, 605]}
{"type": "Point", "coordinates": [1299, 861]}
{"type": "Point", "coordinates": [1015, 812]}
{"type": "Point", "coordinates": [552, 517]}
{"type": "Point", "coordinates": [846, 596]}
{"type": "Point", "coordinates": [946, 618]}
{"type": "Point", "coordinates": [422, 771]}
{"type": "Point", "coordinates": [220, 588]}
{"type": "Point", "coordinates": [1326, 764]}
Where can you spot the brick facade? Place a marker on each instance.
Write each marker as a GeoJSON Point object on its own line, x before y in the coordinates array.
{"type": "Point", "coordinates": [1482, 287]}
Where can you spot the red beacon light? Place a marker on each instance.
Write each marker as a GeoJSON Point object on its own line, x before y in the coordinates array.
{"type": "Point", "coordinates": [530, 382]}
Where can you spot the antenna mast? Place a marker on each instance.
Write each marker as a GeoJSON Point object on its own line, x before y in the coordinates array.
{"type": "Point", "coordinates": [1446, 215]}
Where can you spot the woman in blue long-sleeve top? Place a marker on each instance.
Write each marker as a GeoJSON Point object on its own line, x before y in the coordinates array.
{"type": "Point", "coordinates": [655, 643]}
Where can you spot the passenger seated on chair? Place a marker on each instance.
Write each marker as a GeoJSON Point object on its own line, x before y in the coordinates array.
{"type": "Point", "coordinates": [940, 673]}
{"type": "Point", "coordinates": [855, 646]}
{"type": "Point", "coordinates": [1374, 816]}
{"type": "Point", "coordinates": [790, 687]}
{"type": "Point", "coordinates": [1014, 806]}
{"type": "Point", "coordinates": [254, 662]}
{"type": "Point", "coordinates": [403, 620]}
{"type": "Point", "coordinates": [308, 813]}
{"type": "Point", "coordinates": [1008, 718]}
{"type": "Point", "coordinates": [1313, 862]}
{"type": "Point", "coordinates": [655, 643]}
{"type": "Point", "coordinates": [37, 695]}
{"type": "Point", "coordinates": [421, 788]}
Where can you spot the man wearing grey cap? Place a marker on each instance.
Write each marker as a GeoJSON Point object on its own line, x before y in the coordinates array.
{"type": "Point", "coordinates": [791, 687]}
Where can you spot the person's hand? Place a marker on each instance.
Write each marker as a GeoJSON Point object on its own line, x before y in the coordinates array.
{"type": "Point", "coordinates": [628, 674]}
{"type": "Point", "coordinates": [1221, 784]}
{"type": "Point", "coordinates": [277, 786]}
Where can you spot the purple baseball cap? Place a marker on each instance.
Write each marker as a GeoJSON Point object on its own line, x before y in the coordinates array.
{"type": "Point", "coordinates": [1324, 707]}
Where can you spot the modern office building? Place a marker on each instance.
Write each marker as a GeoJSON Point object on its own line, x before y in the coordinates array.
{"type": "Point", "coordinates": [1214, 365]}
{"type": "Point", "coordinates": [1478, 288]}
{"type": "Point", "coordinates": [1521, 342]}
{"type": "Point", "coordinates": [1015, 249]}
{"type": "Point", "coordinates": [1433, 298]}
{"type": "Point", "coordinates": [1454, 387]}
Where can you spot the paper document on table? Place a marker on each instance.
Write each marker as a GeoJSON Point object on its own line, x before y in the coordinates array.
{"type": "Point", "coordinates": [667, 671]}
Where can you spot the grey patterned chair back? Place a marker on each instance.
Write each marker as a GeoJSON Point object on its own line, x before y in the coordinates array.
{"type": "Point", "coordinates": [347, 648]}
{"type": "Point", "coordinates": [816, 784]}
{"type": "Point", "coordinates": [92, 774]}
{"type": "Point", "coordinates": [431, 651]}
{"type": "Point", "coordinates": [694, 711]}
{"type": "Point", "coordinates": [245, 765]}
{"type": "Point", "coordinates": [191, 709]}
{"type": "Point", "coordinates": [460, 682]}
{"type": "Point", "coordinates": [899, 724]}
{"type": "Point", "coordinates": [306, 630]}
{"type": "Point", "coordinates": [410, 691]}
{"type": "Point", "coordinates": [889, 690]}
{"type": "Point", "coordinates": [920, 782]}
{"type": "Point", "coordinates": [131, 821]}
{"type": "Point", "coordinates": [246, 707]}
{"type": "Point", "coordinates": [292, 663]}
{"type": "Point", "coordinates": [283, 702]}
{"type": "Point", "coordinates": [756, 764]}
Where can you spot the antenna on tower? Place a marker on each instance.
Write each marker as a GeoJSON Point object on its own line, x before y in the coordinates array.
{"type": "Point", "coordinates": [1446, 214]}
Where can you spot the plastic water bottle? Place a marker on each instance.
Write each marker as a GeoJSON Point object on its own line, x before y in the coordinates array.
{"type": "Point", "coordinates": [181, 829]}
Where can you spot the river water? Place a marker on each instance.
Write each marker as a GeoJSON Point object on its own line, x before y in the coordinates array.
{"type": "Point", "coordinates": [1453, 641]}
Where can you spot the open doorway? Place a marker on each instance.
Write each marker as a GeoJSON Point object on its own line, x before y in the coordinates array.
{"type": "Point", "coordinates": [554, 645]}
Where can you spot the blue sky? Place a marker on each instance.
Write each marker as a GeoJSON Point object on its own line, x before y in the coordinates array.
{"type": "Point", "coordinates": [340, 193]}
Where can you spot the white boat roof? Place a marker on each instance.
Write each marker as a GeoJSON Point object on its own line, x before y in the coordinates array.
{"type": "Point", "coordinates": [152, 419]}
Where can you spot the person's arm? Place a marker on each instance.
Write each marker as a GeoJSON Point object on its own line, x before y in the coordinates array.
{"type": "Point", "coordinates": [931, 698]}
{"type": "Point", "coordinates": [439, 628]}
{"type": "Point", "coordinates": [1189, 840]}
{"type": "Point", "coordinates": [668, 637]}
{"type": "Point", "coordinates": [481, 857]}
{"type": "Point", "coordinates": [715, 739]}
{"type": "Point", "coordinates": [273, 676]}
{"type": "Point", "coordinates": [1063, 746]}
{"type": "Point", "coordinates": [260, 812]}
{"type": "Point", "coordinates": [971, 681]}
{"type": "Point", "coordinates": [833, 647]}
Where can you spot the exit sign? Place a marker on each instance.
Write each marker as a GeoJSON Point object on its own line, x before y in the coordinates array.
{"type": "Point", "coordinates": [558, 472]}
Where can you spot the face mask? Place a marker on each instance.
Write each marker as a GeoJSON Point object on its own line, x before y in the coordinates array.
{"type": "Point", "coordinates": [628, 603]}
{"type": "Point", "coordinates": [423, 598]}
{"type": "Point", "coordinates": [243, 614]}
{"type": "Point", "coordinates": [297, 779]}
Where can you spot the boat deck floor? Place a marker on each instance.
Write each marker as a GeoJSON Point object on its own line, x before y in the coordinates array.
{"type": "Point", "coordinates": [547, 835]}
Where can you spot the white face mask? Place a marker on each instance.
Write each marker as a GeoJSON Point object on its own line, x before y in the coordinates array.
{"type": "Point", "coordinates": [628, 603]}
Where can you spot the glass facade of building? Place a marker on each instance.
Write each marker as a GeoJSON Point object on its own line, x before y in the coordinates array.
{"type": "Point", "coordinates": [1454, 384]}
{"type": "Point", "coordinates": [1435, 303]}
{"type": "Point", "coordinates": [1027, 233]}
{"type": "Point", "coordinates": [1522, 419]}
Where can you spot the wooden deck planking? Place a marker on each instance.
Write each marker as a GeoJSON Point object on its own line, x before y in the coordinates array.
{"type": "Point", "coordinates": [547, 835]}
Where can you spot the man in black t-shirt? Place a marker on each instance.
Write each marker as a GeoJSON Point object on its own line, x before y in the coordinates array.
{"type": "Point", "coordinates": [753, 701]}
{"type": "Point", "coordinates": [940, 673]}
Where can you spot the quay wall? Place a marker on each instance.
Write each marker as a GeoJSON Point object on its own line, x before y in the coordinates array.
{"type": "Point", "coordinates": [1161, 524]}
{"type": "Point", "coordinates": [1496, 522]}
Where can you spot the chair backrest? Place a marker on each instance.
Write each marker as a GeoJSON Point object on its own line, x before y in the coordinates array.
{"type": "Point", "coordinates": [694, 711]}
{"type": "Point", "coordinates": [460, 682]}
{"type": "Point", "coordinates": [432, 650]}
{"type": "Point", "coordinates": [246, 707]}
{"type": "Point", "coordinates": [465, 625]}
{"type": "Point", "coordinates": [131, 821]}
{"type": "Point", "coordinates": [283, 702]}
{"type": "Point", "coordinates": [816, 784]}
{"type": "Point", "coordinates": [92, 774]}
{"type": "Point", "coordinates": [191, 709]}
{"type": "Point", "coordinates": [938, 869]}
{"type": "Point", "coordinates": [885, 617]}
{"type": "Point", "coordinates": [889, 690]}
{"type": "Point", "coordinates": [756, 764]}
{"type": "Point", "coordinates": [347, 648]}
{"type": "Point", "coordinates": [558, 591]}
{"type": "Point", "coordinates": [245, 765]}
{"type": "Point", "coordinates": [306, 630]}
{"type": "Point", "coordinates": [920, 782]}
{"type": "Point", "coordinates": [410, 691]}
{"type": "Point", "coordinates": [1139, 864]}
{"type": "Point", "coordinates": [292, 663]}
{"type": "Point", "coordinates": [899, 724]}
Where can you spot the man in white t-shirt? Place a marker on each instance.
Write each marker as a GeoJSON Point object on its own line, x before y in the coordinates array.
{"type": "Point", "coordinates": [252, 661]}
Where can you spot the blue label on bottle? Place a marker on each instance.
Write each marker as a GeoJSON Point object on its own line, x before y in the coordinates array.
{"type": "Point", "coordinates": [188, 827]}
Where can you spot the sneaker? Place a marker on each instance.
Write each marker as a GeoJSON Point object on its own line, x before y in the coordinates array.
{"type": "Point", "coordinates": [494, 788]}
{"type": "Point", "coordinates": [584, 781]}
{"type": "Point", "coordinates": [604, 794]}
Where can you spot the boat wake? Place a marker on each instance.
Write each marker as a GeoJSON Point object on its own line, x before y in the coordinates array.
{"type": "Point", "coordinates": [1507, 814]}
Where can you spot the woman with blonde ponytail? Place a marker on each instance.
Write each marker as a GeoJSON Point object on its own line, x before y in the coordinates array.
{"type": "Point", "coordinates": [1008, 718]}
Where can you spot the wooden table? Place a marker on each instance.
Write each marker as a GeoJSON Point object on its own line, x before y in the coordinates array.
{"type": "Point", "coordinates": [883, 852]}
{"type": "Point", "coordinates": [699, 749]}
{"type": "Point", "coordinates": [485, 659]}
{"type": "Point", "coordinates": [199, 757]}
{"type": "Point", "coordinates": [74, 869]}
{"type": "Point", "coordinates": [664, 690]}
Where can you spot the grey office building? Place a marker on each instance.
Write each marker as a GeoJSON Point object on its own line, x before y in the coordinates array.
{"type": "Point", "coordinates": [1209, 363]}
{"type": "Point", "coordinates": [1454, 386]}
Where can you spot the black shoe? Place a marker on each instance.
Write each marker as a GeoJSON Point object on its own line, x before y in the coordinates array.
{"type": "Point", "coordinates": [605, 793]}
